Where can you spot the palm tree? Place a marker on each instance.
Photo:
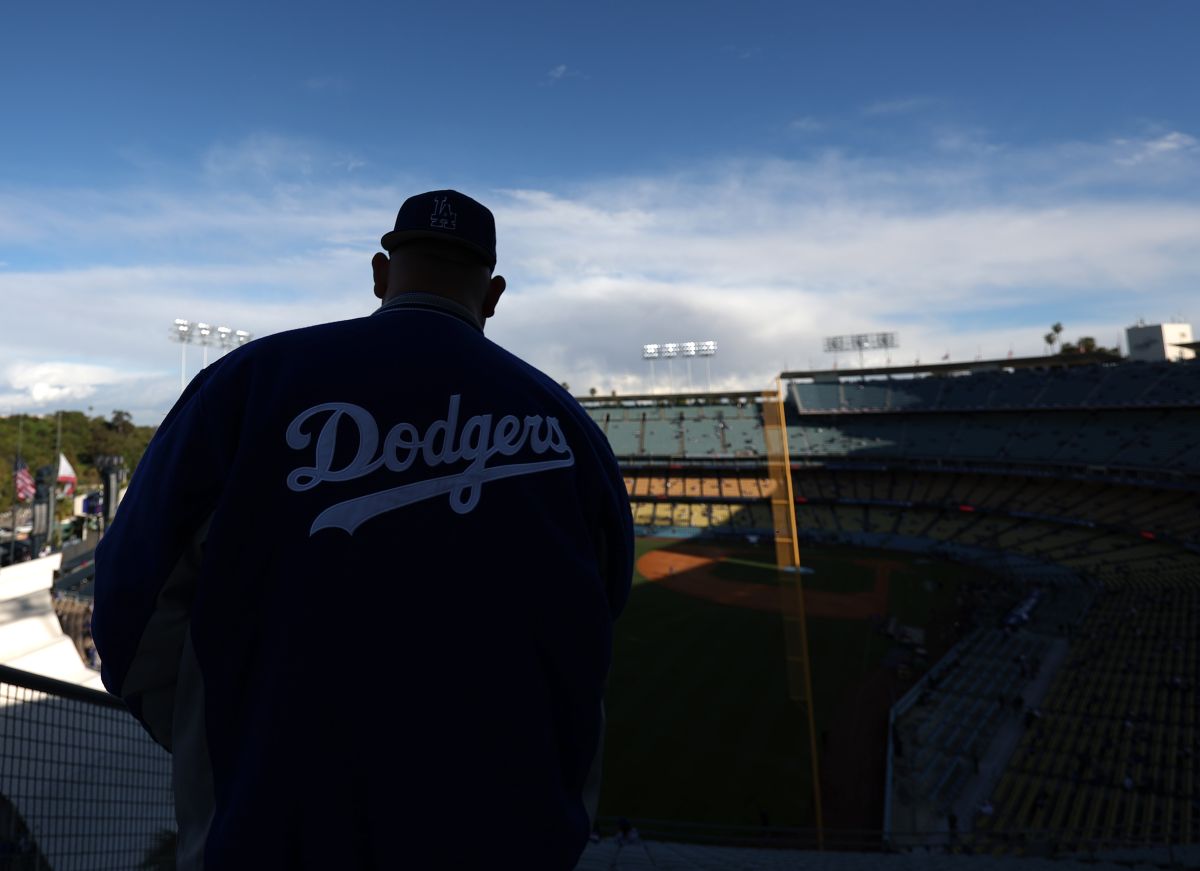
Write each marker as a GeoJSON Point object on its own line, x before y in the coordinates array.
{"type": "Point", "coordinates": [1053, 336]}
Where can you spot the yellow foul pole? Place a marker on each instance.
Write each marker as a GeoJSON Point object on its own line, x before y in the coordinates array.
{"type": "Point", "coordinates": [791, 587]}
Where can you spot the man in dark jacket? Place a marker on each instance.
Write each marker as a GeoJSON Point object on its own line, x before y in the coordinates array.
{"type": "Point", "coordinates": [364, 580]}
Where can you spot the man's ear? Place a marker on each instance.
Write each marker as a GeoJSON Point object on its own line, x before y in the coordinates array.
{"type": "Point", "coordinates": [380, 266]}
{"type": "Point", "coordinates": [495, 288]}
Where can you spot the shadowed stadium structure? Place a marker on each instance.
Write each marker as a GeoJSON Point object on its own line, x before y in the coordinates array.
{"type": "Point", "coordinates": [1001, 572]}
{"type": "Point", "coordinates": [1062, 718]}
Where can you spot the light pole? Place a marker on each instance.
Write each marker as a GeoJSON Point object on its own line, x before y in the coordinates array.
{"type": "Point", "coordinates": [229, 338]}
{"type": "Point", "coordinates": [204, 337]}
{"type": "Point", "coordinates": [707, 350]}
{"type": "Point", "coordinates": [670, 350]}
{"type": "Point", "coordinates": [861, 342]}
{"type": "Point", "coordinates": [183, 333]}
{"type": "Point", "coordinates": [688, 350]}
{"type": "Point", "coordinates": [650, 352]}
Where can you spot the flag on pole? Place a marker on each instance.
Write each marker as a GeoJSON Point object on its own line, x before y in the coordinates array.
{"type": "Point", "coordinates": [23, 481]}
{"type": "Point", "coordinates": [67, 478]}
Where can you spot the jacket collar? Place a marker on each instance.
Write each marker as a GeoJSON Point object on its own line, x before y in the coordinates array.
{"type": "Point", "coordinates": [430, 302]}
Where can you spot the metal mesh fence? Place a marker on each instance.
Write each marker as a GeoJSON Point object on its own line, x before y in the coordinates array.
{"type": "Point", "coordinates": [82, 786]}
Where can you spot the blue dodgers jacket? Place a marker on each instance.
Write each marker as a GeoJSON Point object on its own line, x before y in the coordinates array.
{"type": "Point", "coordinates": [362, 585]}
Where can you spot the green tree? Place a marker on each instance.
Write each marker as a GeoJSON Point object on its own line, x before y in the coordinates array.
{"type": "Point", "coordinates": [83, 440]}
{"type": "Point", "coordinates": [1053, 336]}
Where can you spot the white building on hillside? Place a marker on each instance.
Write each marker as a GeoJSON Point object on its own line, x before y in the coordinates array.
{"type": "Point", "coordinates": [1154, 343]}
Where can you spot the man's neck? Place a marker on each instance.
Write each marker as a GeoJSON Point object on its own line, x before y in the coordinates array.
{"type": "Point", "coordinates": [436, 301]}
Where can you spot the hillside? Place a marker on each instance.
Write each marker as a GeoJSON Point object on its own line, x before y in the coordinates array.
{"type": "Point", "coordinates": [83, 439]}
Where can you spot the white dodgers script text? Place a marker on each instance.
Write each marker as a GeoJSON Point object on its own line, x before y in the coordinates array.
{"type": "Point", "coordinates": [479, 440]}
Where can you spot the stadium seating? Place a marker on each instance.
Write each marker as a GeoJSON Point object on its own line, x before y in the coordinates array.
{"type": "Point", "coordinates": [1029, 472]}
{"type": "Point", "coordinates": [1117, 750]}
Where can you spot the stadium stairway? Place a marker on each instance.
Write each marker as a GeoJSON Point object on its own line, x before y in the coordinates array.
{"type": "Point", "coordinates": [1008, 736]}
{"type": "Point", "coordinates": [31, 636]}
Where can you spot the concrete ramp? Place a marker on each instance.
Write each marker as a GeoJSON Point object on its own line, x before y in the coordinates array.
{"type": "Point", "coordinates": [31, 637]}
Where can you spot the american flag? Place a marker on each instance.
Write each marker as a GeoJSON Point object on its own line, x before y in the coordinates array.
{"type": "Point", "coordinates": [23, 481]}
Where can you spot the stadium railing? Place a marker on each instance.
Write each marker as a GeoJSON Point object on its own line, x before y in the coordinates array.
{"type": "Point", "coordinates": [1090, 844]}
{"type": "Point", "coordinates": [82, 785]}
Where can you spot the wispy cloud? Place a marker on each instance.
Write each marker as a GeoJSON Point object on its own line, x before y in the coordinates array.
{"type": "Point", "coordinates": [806, 124]}
{"type": "Point", "coordinates": [965, 251]}
{"type": "Point", "coordinates": [268, 157]}
{"type": "Point", "coordinates": [1173, 144]}
{"type": "Point", "coordinates": [261, 155]}
{"type": "Point", "coordinates": [901, 106]}
{"type": "Point", "coordinates": [560, 73]}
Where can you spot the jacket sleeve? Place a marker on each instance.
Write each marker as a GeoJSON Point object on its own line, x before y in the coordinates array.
{"type": "Point", "coordinates": [149, 559]}
{"type": "Point", "coordinates": [616, 538]}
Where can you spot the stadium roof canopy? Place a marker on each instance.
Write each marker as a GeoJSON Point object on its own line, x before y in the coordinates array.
{"type": "Point", "coordinates": [1191, 346]}
{"type": "Point", "coordinates": [716, 397]}
{"type": "Point", "coordinates": [725, 397]}
{"type": "Point", "coordinates": [1044, 362]}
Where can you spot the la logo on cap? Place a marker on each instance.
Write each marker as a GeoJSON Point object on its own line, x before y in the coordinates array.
{"type": "Point", "coordinates": [443, 217]}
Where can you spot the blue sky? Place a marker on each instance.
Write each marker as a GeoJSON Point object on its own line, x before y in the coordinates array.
{"type": "Point", "coordinates": [759, 173]}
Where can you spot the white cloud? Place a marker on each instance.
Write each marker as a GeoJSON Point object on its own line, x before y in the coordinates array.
{"type": "Point", "coordinates": [268, 157]}
{"type": "Point", "coordinates": [561, 72]}
{"type": "Point", "coordinates": [967, 252]}
{"type": "Point", "coordinates": [902, 106]}
{"type": "Point", "coordinates": [806, 124]}
{"type": "Point", "coordinates": [35, 385]}
{"type": "Point", "coordinates": [261, 155]}
{"type": "Point", "coordinates": [1168, 145]}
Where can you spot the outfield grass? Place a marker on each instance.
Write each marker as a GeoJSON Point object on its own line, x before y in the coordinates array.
{"type": "Point", "coordinates": [700, 726]}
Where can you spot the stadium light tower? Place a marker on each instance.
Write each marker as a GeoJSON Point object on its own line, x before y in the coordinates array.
{"type": "Point", "coordinates": [183, 332]}
{"type": "Point", "coordinates": [707, 350]}
{"type": "Point", "coordinates": [860, 342]}
{"type": "Point", "coordinates": [650, 352]}
{"type": "Point", "coordinates": [204, 337]}
{"type": "Point", "coordinates": [688, 350]}
{"type": "Point", "coordinates": [229, 338]}
{"type": "Point", "coordinates": [670, 350]}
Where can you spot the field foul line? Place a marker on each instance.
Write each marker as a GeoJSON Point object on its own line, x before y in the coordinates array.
{"type": "Point", "coordinates": [748, 562]}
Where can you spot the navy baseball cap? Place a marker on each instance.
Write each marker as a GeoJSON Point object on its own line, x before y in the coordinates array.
{"type": "Point", "coordinates": [449, 216]}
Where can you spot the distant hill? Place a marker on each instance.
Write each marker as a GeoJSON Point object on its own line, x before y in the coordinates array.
{"type": "Point", "coordinates": [83, 439]}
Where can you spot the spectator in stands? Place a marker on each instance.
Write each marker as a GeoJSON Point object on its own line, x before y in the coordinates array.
{"type": "Point", "coordinates": [626, 833]}
{"type": "Point", "coordinates": [407, 449]}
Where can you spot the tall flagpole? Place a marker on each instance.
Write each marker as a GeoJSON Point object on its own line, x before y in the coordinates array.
{"type": "Point", "coordinates": [54, 527]}
{"type": "Point", "coordinates": [12, 558]}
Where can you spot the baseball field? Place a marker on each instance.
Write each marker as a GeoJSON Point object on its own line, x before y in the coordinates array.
{"type": "Point", "coordinates": [700, 726]}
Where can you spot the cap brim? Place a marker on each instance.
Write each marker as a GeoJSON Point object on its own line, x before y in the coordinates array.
{"type": "Point", "coordinates": [393, 240]}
